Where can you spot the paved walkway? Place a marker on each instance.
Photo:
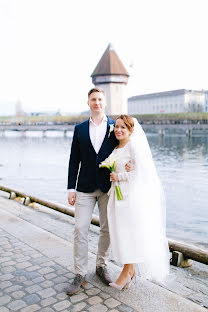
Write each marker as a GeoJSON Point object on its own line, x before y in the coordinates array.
{"type": "Point", "coordinates": [36, 266]}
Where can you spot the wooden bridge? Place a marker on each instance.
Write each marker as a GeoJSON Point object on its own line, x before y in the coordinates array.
{"type": "Point", "coordinates": [160, 128]}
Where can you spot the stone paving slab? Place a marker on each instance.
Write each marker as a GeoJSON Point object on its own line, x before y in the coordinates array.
{"type": "Point", "coordinates": [191, 283]}
{"type": "Point", "coordinates": [39, 283]}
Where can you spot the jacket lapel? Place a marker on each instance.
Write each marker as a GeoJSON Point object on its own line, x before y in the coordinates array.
{"type": "Point", "coordinates": [88, 135]}
{"type": "Point", "coordinates": [106, 135]}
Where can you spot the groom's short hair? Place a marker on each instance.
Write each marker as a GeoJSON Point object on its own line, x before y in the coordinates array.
{"type": "Point", "coordinates": [95, 90]}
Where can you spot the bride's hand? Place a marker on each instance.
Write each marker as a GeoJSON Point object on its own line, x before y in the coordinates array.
{"type": "Point", "coordinates": [114, 176]}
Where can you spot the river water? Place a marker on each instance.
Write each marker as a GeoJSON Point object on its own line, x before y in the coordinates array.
{"type": "Point", "coordinates": [38, 166]}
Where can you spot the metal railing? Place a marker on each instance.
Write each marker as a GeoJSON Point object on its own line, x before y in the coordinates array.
{"type": "Point", "coordinates": [188, 251]}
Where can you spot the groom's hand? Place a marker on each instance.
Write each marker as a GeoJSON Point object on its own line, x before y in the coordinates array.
{"type": "Point", "coordinates": [71, 198]}
{"type": "Point", "coordinates": [128, 166]}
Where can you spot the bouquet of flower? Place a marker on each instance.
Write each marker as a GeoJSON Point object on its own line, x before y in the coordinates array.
{"type": "Point", "coordinates": [109, 163]}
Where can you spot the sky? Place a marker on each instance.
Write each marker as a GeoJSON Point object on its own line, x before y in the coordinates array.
{"type": "Point", "coordinates": [49, 48]}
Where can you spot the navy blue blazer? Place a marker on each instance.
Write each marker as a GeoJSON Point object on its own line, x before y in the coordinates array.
{"type": "Point", "coordinates": [90, 177]}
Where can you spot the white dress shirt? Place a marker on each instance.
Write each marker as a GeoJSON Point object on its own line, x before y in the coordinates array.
{"type": "Point", "coordinates": [97, 135]}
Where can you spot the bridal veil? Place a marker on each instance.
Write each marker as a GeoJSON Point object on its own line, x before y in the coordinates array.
{"type": "Point", "coordinates": [147, 198]}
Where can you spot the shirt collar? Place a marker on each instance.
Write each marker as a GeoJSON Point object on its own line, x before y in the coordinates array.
{"type": "Point", "coordinates": [104, 119]}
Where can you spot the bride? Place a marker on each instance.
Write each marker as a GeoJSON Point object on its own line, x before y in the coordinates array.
{"type": "Point", "coordinates": [137, 222]}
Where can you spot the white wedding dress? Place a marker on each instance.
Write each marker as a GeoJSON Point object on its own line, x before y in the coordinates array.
{"type": "Point", "coordinates": [136, 223]}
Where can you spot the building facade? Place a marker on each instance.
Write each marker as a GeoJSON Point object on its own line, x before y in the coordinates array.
{"type": "Point", "coordinates": [176, 101]}
{"type": "Point", "coordinates": [206, 101]}
{"type": "Point", "coordinates": [111, 76]}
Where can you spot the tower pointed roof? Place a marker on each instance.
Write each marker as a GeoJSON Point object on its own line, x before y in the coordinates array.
{"type": "Point", "coordinates": [110, 64]}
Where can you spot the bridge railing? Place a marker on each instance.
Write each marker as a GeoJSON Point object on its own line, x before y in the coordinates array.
{"type": "Point", "coordinates": [181, 252]}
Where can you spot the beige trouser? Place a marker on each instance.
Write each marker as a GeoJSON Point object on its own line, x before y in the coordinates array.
{"type": "Point", "coordinates": [85, 203]}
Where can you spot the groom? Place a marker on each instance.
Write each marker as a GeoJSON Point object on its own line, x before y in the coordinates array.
{"type": "Point", "coordinates": [92, 143]}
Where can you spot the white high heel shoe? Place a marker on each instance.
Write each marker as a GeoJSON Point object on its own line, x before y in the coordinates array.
{"type": "Point", "coordinates": [133, 280]}
{"type": "Point", "coordinates": [123, 286]}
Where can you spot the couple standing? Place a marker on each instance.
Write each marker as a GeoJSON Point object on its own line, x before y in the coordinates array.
{"type": "Point", "coordinates": [136, 223]}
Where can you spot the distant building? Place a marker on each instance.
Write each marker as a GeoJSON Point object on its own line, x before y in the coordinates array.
{"type": "Point", "coordinates": [46, 113]}
{"type": "Point", "coordinates": [176, 101]}
{"type": "Point", "coordinates": [18, 109]}
{"type": "Point", "coordinates": [111, 75]}
{"type": "Point", "coordinates": [206, 101]}
{"type": "Point", "coordinates": [86, 113]}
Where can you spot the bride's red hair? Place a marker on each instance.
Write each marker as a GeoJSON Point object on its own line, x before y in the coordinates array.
{"type": "Point", "coordinates": [128, 121]}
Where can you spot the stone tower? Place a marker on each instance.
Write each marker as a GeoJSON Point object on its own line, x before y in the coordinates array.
{"type": "Point", "coordinates": [18, 109]}
{"type": "Point", "coordinates": [111, 75]}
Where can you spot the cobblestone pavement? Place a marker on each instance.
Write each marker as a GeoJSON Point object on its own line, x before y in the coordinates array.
{"type": "Point", "coordinates": [34, 278]}
{"type": "Point", "coordinates": [30, 281]}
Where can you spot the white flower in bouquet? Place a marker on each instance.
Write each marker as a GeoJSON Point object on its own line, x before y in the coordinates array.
{"type": "Point", "coordinates": [109, 163]}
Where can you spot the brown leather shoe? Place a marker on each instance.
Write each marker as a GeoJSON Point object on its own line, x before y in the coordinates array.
{"type": "Point", "coordinates": [75, 286]}
{"type": "Point", "coordinates": [102, 272]}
